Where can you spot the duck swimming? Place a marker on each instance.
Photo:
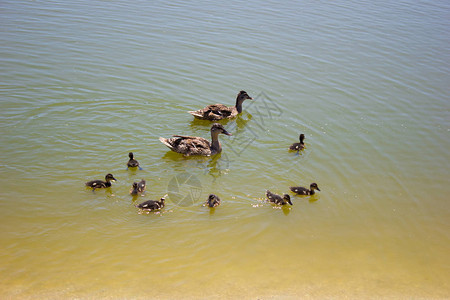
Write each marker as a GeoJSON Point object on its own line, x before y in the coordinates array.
{"type": "Point", "coordinates": [277, 199]}
{"type": "Point", "coordinates": [304, 191]}
{"type": "Point", "coordinates": [298, 146]}
{"type": "Point", "coordinates": [216, 112]}
{"type": "Point", "coordinates": [213, 201]}
{"type": "Point", "coordinates": [151, 205]}
{"type": "Point", "coordinates": [138, 187]}
{"type": "Point", "coordinates": [96, 184]}
{"type": "Point", "coordinates": [191, 145]}
{"type": "Point", "coordinates": [132, 163]}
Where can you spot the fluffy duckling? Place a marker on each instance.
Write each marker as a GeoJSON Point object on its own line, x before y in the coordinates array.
{"type": "Point", "coordinates": [213, 201]}
{"type": "Point", "coordinates": [298, 146]}
{"type": "Point", "coordinates": [217, 112]}
{"type": "Point", "coordinates": [138, 187]}
{"type": "Point", "coordinates": [96, 184]}
{"type": "Point", "coordinates": [191, 145]}
{"type": "Point", "coordinates": [151, 205]}
{"type": "Point", "coordinates": [304, 191]}
{"type": "Point", "coordinates": [277, 199]}
{"type": "Point", "coordinates": [132, 163]}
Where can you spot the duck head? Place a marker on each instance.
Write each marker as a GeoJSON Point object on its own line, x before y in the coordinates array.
{"type": "Point", "coordinates": [242, 95]}
{"type": "Point", "coordinates": [287, 198]}
{"type": "Point", "coordinates": [314, 186]}
{"type": "Point", "coordinates": [109, 177]}
{"type": "Point", "coordinates": [130, 155]}
{"type": "Point", "coordinates": [217, 128]}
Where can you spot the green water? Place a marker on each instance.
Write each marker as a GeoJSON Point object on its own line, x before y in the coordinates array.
{"type": "Point", "coordinates": [84, 83]}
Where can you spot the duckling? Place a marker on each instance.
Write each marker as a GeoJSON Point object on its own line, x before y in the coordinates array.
{"type": "Point", "coordinates": [96, 184]}
{"type": "Point", "coordinates": [277, 199]}
{"type": "Point", "coordinates": [216, 112]}
{"type": "Point", "coordinates": [304, 191]}
{"type": "Point", "coordinates": [138, 187]}
{"type": "Point", "coordinates": [132, 163]}
{"type": "Point", "coordinates": [298, 146]}
{"type": "Point", "coordinates": [151, 205]}
{"type": "Point", "coordinates": [191, 145]}
{"type": "Point", "coordinates": [213, 201]}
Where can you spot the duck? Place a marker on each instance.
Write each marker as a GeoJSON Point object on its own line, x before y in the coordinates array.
{"type": "Point", "coordinates": [132, 163]}
{"type": "Point", "coordinates": [213, 201]}
{"type": "Point", "coordinates": [217, 112]}
{"type": "Point", "coordinates": [304, 191]}
{"type": "Point", "coordinates": [138, 187]}
{"type": "Point", "coordinates": [151, 205]}
{"type": "Point", "coordinates": [192, 145]}
{"type": "Point", "coordinates": [277, 199]}
{"type": "Point", "coordinates": [96, 184]}
{"type": "Point", "coordinates": [298, 146]}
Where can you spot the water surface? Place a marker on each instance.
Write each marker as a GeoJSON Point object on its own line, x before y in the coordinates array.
{"type": "Point", "coordinates": [85, 83]}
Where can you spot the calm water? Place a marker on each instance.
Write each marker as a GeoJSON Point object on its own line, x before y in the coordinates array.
{"type": "Point", "coordinates": [83, 83]}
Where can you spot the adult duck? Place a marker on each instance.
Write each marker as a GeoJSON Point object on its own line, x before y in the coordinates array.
{"type": "Point", "coordinates": [299, 190]}
{"type": "Point", "coordinates": [277, 199]}
{"type": "Point", "coordinates": [192, 145]}
{"type": "Point", "coordinates": [96, 184]}
{"type": "Point", "coordinates": [298, 146]}
{"type": "Point", "coordinates": [217, 112]}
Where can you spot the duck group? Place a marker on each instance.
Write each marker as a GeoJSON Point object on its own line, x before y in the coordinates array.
{"type": "Point", "coordinates": [199, 146]}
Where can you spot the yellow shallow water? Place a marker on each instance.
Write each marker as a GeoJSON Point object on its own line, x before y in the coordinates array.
{"type": "Point", "coordinates": [85, 84]}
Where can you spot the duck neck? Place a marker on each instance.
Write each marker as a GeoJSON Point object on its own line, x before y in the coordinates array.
{"type": "Point", "coordinates": [238, 105]}
{"type": "Point", "coordinates": [215, 144]}
{"type": "Point", "coordinates": [312, 192]}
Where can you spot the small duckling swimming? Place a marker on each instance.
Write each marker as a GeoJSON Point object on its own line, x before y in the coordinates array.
{"type": "Point", "coordinates": [192, 145]}
{"type": "Point", "coordinates": [304, 191]}
{"type": "Point", "coordinates": [132, 163]}
{"type": "Point", "coordinates": [217, 112]}
{"type": "Point", "coordinates": [277, 199]}
{"type": "Point", "coordinates": [213, 201]}
{"type": "Point", "coordinates": [138, 187]}
{"type": "Point", "coordinates": [298, 146]}
{"type": "Point", "coordinates": [96, 184]}
{"type": "Point", "coordinates": [151, 205]}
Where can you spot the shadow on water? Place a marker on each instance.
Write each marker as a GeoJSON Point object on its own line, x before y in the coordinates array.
{"type": "Point", "coordinates": [286, 210]}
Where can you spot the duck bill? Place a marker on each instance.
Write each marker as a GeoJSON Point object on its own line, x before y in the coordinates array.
{"type": "Point", "coordinates": [113, 179]}
{"type": "Point", "coordinates": [226, 132]}
{"type": "Point", "coordinates": [318, 189]}
{"type": "Point", "coordinates": [290, 202]}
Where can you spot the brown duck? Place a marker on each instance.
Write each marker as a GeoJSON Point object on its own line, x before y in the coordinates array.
{"type": "Point", "coordinates": [216, 112]}
{"type": "Point", "coordinates": [192, 145]}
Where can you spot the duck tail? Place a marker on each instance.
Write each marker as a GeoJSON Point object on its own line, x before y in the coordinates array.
{"type": "Point", "coordinates": [196, 113]}
{"type": "Point", "coordinates": [166, 142]}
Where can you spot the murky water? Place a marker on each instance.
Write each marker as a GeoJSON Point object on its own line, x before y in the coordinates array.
{"type": "Point", "coordinates": [84, 83]}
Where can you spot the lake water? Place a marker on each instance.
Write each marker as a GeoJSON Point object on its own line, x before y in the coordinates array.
{"type": "Point", "coordinates": [85, 82]}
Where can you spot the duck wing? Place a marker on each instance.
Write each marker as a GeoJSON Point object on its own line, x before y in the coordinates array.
{"type": "Point", "coordinates": [299, 190]}
{"type": "Point", "coordinates": [96, 184]}
{"type": "Point", "coordinates": [149, 205]}
{"type": "Point", "coordinates": [188, 145]}
{"type": "Point", "coordinates": [214, 112]}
